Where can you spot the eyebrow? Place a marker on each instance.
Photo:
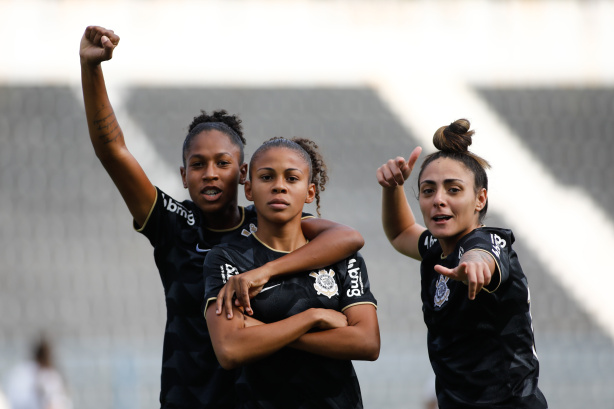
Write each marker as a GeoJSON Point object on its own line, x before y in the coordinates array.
{"type": "Point", "coordinates": [286, 170]}
{"type": "Point", "coordinates": [446, 181]}
{"type": "Point", "coordinates": [217, 155]}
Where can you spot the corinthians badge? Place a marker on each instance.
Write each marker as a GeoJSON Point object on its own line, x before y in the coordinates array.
{"type": "Point", "coordinates": [325, 283]}
{"type": "Point", "coordinates": [442, 291]}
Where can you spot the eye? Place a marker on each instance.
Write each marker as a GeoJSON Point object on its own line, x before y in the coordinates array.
{"type": "Point", "coordinates": [454, 190]}
{"type": "Point", "coordinates": [265, 177]}
{"type": "Point", "coordinates": [223, 163]}
{"type": "Point", "coordinates": [196, 164]}
{"type": "Point", "coordinates": [292, 178]}
{"type": "Point", "coordinates": [427, 191]}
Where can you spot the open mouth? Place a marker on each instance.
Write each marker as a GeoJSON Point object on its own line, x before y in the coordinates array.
{"type": "Point", "coordinates": [441, 218]}
{"type": "Point", "coordinates": [211, 192]}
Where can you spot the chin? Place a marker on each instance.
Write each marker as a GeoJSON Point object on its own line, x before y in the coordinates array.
{"type": "Point", "coordinates": [211, 207]}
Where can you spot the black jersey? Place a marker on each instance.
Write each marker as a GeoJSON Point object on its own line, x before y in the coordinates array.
{"type": "Point", "coordinates": [191, 376]}
{"type": "Point", "coordinates": [290, 378]}
{"type": "Point", "coordinates": [482, 351]}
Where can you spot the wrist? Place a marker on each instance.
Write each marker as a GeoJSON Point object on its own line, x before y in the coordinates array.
{"type": "Point", "coordinates": [317, 318]}
{"type": "Point", "coordinates": [89, 66]}
{"type": "Point", "coordinates": [269, 270]}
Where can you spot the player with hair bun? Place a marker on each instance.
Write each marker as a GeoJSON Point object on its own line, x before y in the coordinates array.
{"type": "Point", "coordinates": [182, 232]}
{"type": "Point", "coordinates": [281, 362]}
{"type": "Point", "coordinates": [475, 296]}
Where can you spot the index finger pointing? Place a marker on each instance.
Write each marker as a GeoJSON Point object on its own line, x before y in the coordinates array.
{"type": "Point", "coordinates": [413, 157]}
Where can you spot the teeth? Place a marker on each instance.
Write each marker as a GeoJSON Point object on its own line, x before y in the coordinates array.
{"type": "Point", "coordinates": [211, 192]}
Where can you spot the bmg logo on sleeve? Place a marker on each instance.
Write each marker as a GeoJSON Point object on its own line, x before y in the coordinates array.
{"type": "Point", "coordinates": [356, 288]}
{"type": "Point", "coordinates": [497, 244]}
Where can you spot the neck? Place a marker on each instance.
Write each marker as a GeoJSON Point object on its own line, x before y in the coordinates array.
{"type": "Point", "coordinates": [285, 237]}
{"type": "Point", "coordinates": [226, 218]}
{"type": "Point", "coordinates": [448, 244]}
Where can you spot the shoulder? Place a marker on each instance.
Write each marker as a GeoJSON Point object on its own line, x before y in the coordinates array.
{"type": "Point", "coordinates": [491, 239]}
{"type": "Point", "coordinates": [168, 217]}
{"type": "Point", "coordinates": [185, 209]}
{"type": "Point", "coordinates": [249, 213]}
{"type": "Point", "coordinates": [231, 247]}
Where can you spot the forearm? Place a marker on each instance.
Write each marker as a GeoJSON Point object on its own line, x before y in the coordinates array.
{"type": "Point", "coordinates": [479, 256]}
{"type": "Point", "coordinates": [230, 337]}
{"type": "Point", "coordinates": [329, 243]}
{"type": "Point", "coordinates": [340, 343]}
{"type": "Point", "coordinates": [108, 142]}
{"type": "Point", "coordinates": [397, 216]}
{"type": "Point", "coordinates": [399, 222]}
{"type": "Point", "coordinates": [105, 132]}
{"type": "Point", "coordinates": [492, 279]}
{"type": "Point", "coordinates": [360, 340]}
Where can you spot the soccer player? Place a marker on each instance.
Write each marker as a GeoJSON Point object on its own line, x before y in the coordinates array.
{"type": "Point", "coordinates": [475, 297]}
{"type": "Point", "coordinates": [183, 232]}
{"type": "Point", "coordinates": [296, 349]}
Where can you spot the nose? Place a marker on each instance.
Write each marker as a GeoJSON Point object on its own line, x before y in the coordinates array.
{"type": "Point", "coordinates": [438, 198]}
{"type": "Point", "coordinates": [210, 172]}
{"type": "Point", "coordinates": [279, 186]}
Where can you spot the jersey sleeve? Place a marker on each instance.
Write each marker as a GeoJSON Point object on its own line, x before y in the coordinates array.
{"type": "Point", "coordinates": [165, 216]}
{"type": "Point", "coordinates": [497, 243]}
{"type": "Point", "coordinates": [355, 286]}
{"type": "Point", "coordinates": [426, 242]}
{"type": "Point", "coordinates": [218, 267]}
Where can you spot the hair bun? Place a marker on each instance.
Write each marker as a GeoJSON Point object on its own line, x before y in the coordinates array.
{"type": "Point", "coordinates": [455, 137]}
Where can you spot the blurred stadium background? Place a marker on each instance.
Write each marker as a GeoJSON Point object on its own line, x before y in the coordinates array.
{"type": "Point", "coordinates": [368, 80]}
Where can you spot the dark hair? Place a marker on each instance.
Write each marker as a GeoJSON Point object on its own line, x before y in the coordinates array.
{"type": "Point", "coordinates": [308, 150]}
{"type": "Point", "coordinates": [220, 121]}
{"type": "Point", "coordinates": [453, 142]}
{"type": "Point", "coordinates": [41, 351]}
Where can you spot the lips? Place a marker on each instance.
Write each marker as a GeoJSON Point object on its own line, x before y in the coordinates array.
{"type": "Point", "coordinates": [278, 203]}
{"type": "Point", "coordinates": [211, 192]}
{"type": "Point", "coordinates": [441, 217]}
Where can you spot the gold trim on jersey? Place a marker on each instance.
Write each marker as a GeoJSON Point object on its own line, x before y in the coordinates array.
{"type": "Point", "coordinates": [242, 209]}
{"type": "Point", "coordinates": [207, 305]}
{"type": "Point", "coordinates": [359, 303]}
{"type": "Point", "coordinates": [140, 229]}
{"type": "Point", "coordinates": [271, 248]}
{"type": "Point", "coordinates": [497, 270]}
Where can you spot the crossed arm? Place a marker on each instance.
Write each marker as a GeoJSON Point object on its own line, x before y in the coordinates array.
{"type": "Point", "coordinates": [353, 334]}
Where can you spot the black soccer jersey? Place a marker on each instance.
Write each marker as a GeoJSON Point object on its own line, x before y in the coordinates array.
{"type": "Point", "coordinates": [191, 376]}
{"type": "Point", "coordinates": [482, 351]}
{"type": "Point", "coordinates": [290, 378]}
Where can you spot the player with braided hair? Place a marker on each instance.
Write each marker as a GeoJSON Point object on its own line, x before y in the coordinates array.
{"type": "Point", "coordinates": [316, 370]}
{"type": "Point", "coordinates": [182, 232]}
{"type": "Point", "coordinates": [475, 296]}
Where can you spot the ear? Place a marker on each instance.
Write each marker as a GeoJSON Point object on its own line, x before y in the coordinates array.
{"type": "Point", "coordinates": [248, 190]}
{"type": "Point", "coordinates": [183, 177]}
{"type": "Point", "coordinates": [480, 200]}
{"type": "Point", "coordinates": [311, 193]}
{"type": "Point", "coordinates": [243, 174]}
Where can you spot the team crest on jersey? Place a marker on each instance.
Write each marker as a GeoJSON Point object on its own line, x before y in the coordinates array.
{"type": "Point", "coordinates": [252, 229]}
{"type": "Point", "coordinates": [442, 292]}
{"type": "Point", "coordinates": [325, 283]}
